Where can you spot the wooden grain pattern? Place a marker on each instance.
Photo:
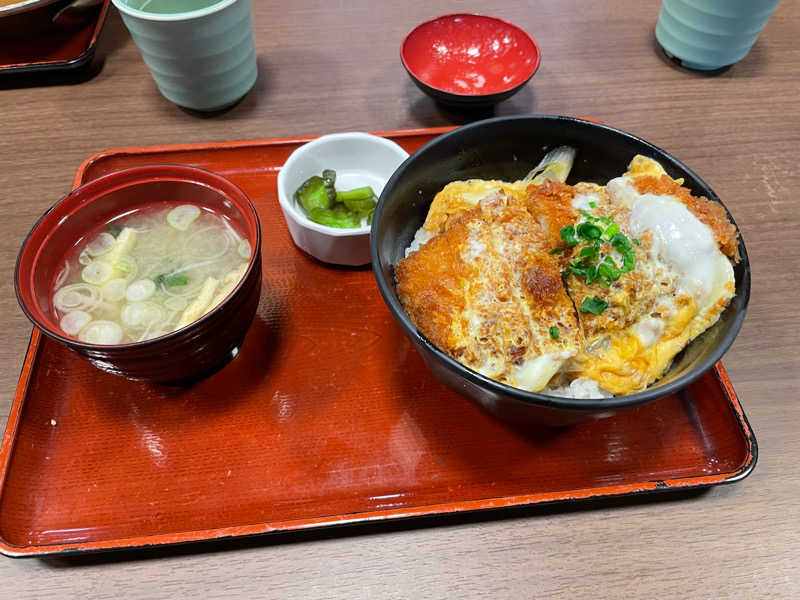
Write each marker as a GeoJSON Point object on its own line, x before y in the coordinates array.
{"type": "Point", "coordinates": [332, 66]}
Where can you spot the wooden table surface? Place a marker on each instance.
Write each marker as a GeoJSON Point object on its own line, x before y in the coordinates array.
{"type": "Point", "coordinates": [334, 66]}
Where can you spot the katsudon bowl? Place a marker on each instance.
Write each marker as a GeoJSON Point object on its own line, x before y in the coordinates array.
{"type": "Point", "coordinates": [506, 148]}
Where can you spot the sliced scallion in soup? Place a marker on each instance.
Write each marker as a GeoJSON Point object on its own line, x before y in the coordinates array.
{"type": "Point", "coordinates": [148, 273]}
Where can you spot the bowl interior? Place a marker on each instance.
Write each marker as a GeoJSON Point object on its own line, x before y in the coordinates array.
{"type": "Point", "coordinates": [359, 159]}
{"type": "Point", "coordinates": [81, 215]}
{"type": "Point", "coordinates": [470, 54]}
{"type": "Point", "coordinates": [507, 148]}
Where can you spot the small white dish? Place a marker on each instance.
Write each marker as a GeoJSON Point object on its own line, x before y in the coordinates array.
{"type": "Point", "coordinates": [359, 159]}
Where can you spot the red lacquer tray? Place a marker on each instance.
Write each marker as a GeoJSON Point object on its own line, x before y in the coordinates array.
{"type": "Point", "coordinates": [54, 50]}
{"type": "Point", "coordinates": [327, 416]}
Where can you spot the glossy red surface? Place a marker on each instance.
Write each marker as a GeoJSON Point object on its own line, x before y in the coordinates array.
{"type": "Point", "coordinates": [44, 47]}
{"type": "Point", "coordinates": [470, 54]}
{"type": "Point", "coordinates": [327, 416]}
{"type": "Point", "coordinates": [192, 351]}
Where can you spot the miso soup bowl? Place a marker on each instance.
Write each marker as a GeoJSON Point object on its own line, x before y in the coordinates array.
{"type": "Point", "coordinates": [506, 148]}
{"type": "Point", "coordinates": [187, 354]}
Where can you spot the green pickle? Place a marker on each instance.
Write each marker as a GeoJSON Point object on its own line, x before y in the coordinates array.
{"type": "Point", "coordinates": [361, 201]}
{"type": "Point", "coordinates": [355, 195]}
{"type": "Point", "coordinates": [312, 194]}
{"type": "Point", "coordinates": [343, 209]}
{"type": "Point", "coordinates": [357, 204]}
{"type": "Point", "coordinates": [341, 219]}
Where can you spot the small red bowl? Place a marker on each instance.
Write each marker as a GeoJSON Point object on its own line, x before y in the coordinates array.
{"type": "Point", "coordinates": [186, 354]}
{"type": "Point", "coordinates": [466, 59]}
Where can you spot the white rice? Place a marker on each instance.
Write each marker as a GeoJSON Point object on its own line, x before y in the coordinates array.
{"type": "Point", "coordinates": [583, 387]}
{"type": "Point", "coordinates": [422, 237]}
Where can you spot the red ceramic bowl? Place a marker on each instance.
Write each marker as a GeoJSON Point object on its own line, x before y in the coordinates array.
{"type": "Point", "coordinates": [465, 59]}
{"type": "Point", "coordinates": [189, 353]}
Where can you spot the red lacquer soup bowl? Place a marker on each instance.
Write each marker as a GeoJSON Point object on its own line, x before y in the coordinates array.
{"type": "Point", "coordinates": [465, 59]}
{"type": "Point", "coordinates": [196, 350]}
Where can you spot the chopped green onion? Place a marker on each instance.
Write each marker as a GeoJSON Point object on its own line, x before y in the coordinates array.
{"type": "Point", "coordinates": [620, 242]}
{"type": "Point", "coordinates": [593, 305]}
{"type": "Point", "coordinates": [181, 217]}
{"type": "Point", "coordinates": [171, 280]}
{"type": "Point", "coordinates": [554, 333]}
{"type": "Point", "coordinates": [97, 272]}
{"type": "Point", "coordinates": [611, 231]}
{"type": "Point", "coordinates": [588, 231]}
{"type": "Point", "coordinates": [611, 273]}
{"type": "Point", "coordinates": [590, 252]}
{"type": "Point", "coordinates": [591, 274]}
{"type": "Point", "coordinates": [568, 235]}
{"type": "Point", "coordinates": [577, 271]}
{"type": "Point", "coordinates": [592, 204]}
{"type": "Point", "coordinates": [628, 261]}
{"type": "Point", "coordinates": [592, 237]}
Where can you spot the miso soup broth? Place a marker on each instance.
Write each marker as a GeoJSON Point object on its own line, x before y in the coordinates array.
{"type": "Point", "coordinates": [147, 273]}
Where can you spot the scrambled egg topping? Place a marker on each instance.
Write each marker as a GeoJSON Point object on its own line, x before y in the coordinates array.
{"type": "Point", "coordinates": [492, 287]}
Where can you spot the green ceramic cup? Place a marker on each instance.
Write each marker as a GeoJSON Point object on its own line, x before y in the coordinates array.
{"type": "Point", "coordinates": [200, 53]}
{"type": "Point", "coordinates": [711, 34]}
